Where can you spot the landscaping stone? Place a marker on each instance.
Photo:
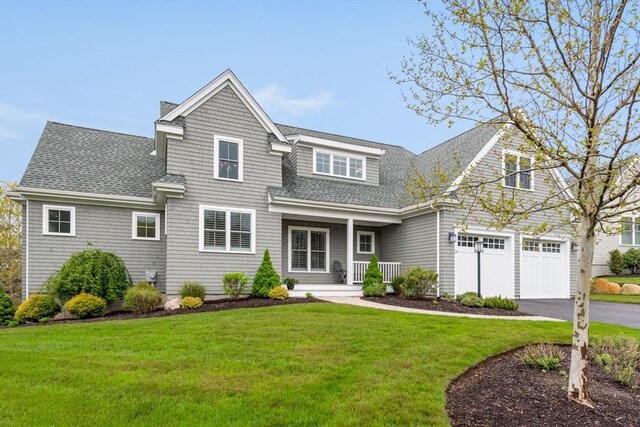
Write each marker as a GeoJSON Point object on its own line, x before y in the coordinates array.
{"type": "Point", "coordinates": [615, 288]}
{"type": "Point", "coordinates": [630, 289]}
{"type": "Point", "coordinates": [64, 315]}
{"type": "Point", "coordinates": [172, 304]}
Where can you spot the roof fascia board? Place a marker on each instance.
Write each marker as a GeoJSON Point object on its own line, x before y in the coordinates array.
{"type": "Point", "coordinates": [86, 198]}
{"type": "Point", "coordinates": [332, 212]}
{"type": "Point", "coordinates": [223, 80]}
{"type": "Point", "coordinates": [337, 145]}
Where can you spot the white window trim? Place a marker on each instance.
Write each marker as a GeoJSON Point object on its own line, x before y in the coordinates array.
{"type": "Point", "coordinates": [373, 241]}
{"type": "Point", "coordinates": [341, 154]}
{"type": "Point", "coordinates": [45, 220]}
{"type": "Point", "coordinates": [519, 155]}
{"type": "Point", "coordinates": [635, 220]}
{"type": "Point", "coordinates": [290, 251]}
{"type": "Point", "coordinates": [134, 225]}
{"type": "Point", "coordinates": [227, 211]}
{"type": "Point", "coordinates": [216, 157]}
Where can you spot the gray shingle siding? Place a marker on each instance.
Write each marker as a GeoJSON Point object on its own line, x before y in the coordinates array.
{"type": "Point", "coordinates": [224, 114]}
{"type": "Point", "coordinates": [98, 227]}
{"type": "Point", "coordinates": [413, 242]}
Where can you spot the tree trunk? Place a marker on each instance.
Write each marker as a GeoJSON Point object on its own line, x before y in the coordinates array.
{"type": "Point", "coordinates": [578, 374]}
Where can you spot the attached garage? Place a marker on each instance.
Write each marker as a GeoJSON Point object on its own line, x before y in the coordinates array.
{"type": "Point", "coordinates": [544, 269]}
{"type": "Point", "coordinates": [497, 265]}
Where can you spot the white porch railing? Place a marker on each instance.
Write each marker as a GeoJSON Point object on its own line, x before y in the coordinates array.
{"type": "Point", "coordinates": [389, 270]}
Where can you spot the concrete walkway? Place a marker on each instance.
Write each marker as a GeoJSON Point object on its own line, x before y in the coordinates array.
{"type": "Point", "coordinates": [362, 303]}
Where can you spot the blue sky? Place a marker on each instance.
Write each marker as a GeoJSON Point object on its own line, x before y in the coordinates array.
{"type": "Point", "coordinates": [106, 65]}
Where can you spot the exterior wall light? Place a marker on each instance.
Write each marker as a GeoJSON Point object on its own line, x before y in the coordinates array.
{"type": "Point", "coordinates": [452, 237]}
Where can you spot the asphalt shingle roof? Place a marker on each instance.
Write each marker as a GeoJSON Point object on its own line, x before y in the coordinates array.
{"type": "Point", "coordinates": [395, 166]}
{"type": "Point", "coordinates": [86, 160]}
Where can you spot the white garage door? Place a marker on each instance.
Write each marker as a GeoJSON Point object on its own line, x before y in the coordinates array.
{"type": "Point", "coordinates": [544, 269]}
{"type": "Point", "coordinates": [497, 273]}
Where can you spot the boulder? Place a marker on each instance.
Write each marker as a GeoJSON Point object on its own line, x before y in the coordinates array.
{"type": "Point", "coordinates": [614, 288]}
{"type": "Point", "coordinates": [172, 304]}
{"type": "Point", "coordinates": [600, 286]}
{"type": "Point", "coordinates": [630, 289]}
{"type": "Point", "coordinates": [64, 315]}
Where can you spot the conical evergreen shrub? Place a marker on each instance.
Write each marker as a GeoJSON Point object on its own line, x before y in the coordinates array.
{"type": "Point", "coordinates": [266, 277]}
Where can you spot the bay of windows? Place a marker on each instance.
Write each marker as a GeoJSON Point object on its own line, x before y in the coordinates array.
{"type": "Point", "coordinates": [341, 165]}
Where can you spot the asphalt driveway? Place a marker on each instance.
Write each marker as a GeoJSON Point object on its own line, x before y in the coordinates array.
{"type": "Point", "coordinates": [607, 312]}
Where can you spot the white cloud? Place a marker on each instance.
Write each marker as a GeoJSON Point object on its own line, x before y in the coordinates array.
{"type": "Point", "coordinates": [275, 98]}
{"type": "Point", "coordinates": [15, 121]}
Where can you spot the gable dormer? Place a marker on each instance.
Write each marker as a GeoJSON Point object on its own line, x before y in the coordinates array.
{"type": "Point", "coordinates": [317, 157]}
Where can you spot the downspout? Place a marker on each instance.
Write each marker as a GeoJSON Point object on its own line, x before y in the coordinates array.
{"type": "Point", "coordinates": [438, 249]}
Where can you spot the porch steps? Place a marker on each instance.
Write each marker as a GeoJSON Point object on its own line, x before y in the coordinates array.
{"type": "Point", "coordinates": [336, 290]}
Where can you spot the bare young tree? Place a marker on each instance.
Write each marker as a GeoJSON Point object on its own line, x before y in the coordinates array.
{"type": "Point", "coordinates": [563, 79]}
{"type": "Point", "coordinates": [10, 243]}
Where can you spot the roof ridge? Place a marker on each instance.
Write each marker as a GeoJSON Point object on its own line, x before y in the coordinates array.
{"type": "Point", "coordinates": [97, 130]}
{"type": "Point", "coordinates": [351, 137]}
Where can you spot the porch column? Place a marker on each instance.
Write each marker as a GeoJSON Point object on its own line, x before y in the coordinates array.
{"type": "Point", "coordinates": [350, 251]}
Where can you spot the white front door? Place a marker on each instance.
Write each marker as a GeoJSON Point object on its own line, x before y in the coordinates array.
{"type": "Point", "coordinates": [497, 271]}
{"type": "Point", "coordinates": [544, 269]}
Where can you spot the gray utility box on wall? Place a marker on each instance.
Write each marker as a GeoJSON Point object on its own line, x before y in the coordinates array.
{"type": "Point", "coordinates": [151, 277]}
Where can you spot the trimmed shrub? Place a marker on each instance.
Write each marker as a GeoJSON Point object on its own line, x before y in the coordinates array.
{"type": "Point", "coordinates": [460, 297]}
{"type": "Point", "coordinates": [234, 284]}
{"type": "Point", "coordinates": [472, 301]}
{"type": "Point", "coordinates": [448, 297]}
{"type": "Point", "coordinates": [86, 305]}
{"type": "Point", "coordinates": [266, 277]}
{"type": "Point", "coordinates": [142, 298]}
{"type": "Point", "coordinates": [373, 274]}
{"type": "Point", "coordinates": [93, 271]}
{"type": "Point", "coordinates": [397, 284]}
{"type": "Point", "coordinates": [542, 356]}
{"type": "Point", "coordinates": [600, 286]}
{"type": "Point", "coordinates": [619, 356]}
{"type": "Point", "coordinates": [308, 295]}
{"type": "Point", "coordinates": [631, 260]}
{"type": "Point", "coordinates": [375, 290]}
{"type": "Point", "coordinates": [191, 302]}
{"type": "Point", "coordinates": [278, 293]}
{"type": "Point", "coordinates": [37, 308]}
{"type": "Point", "coordinates": [502, 303]}
{"type": "Point", "coordinates": [193, 289]}
{"type": "Point", "coordinates": [7, 308]}
{"type": "Point", "coordinates": [615, 263]}
{"type": "Point", "coordinates": [419, 283]}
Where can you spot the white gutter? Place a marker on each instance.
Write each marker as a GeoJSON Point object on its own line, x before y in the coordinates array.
{"type": "Point", "coordinates": [86, 198]}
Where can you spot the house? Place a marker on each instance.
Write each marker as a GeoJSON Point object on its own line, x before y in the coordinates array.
{"type": "Point", "coordinates": [219, 183]}
{"type": "Point", "coordinates": [623, 233]}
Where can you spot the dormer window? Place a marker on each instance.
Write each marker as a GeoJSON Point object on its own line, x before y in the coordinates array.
{"type": "Point", "coordinates": [517, 171]}
{"type": "Point", "coordinates": [227, 161]}
{"type": "Point", "coordinates": [339, 164]}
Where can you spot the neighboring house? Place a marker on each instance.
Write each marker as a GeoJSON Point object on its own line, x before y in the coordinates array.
{"type": "Point", "coordinates": [220, 182]}
{"type": "Point", "coordinates": [625, 233]}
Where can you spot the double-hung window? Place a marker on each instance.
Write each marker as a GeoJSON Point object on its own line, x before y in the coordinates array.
{"type": "Point", "coordinates": [227, 229]}
{"type": "Point", "coordinates": [338, 164]}
{"type": "Point", "coordinates": [366, 242]}
{"type": "Point", "coordinates": [145, 226]}
{"type": "Point", "coordinates": [518, 171]}
{"type": "Point", "coordinates": [59, 220]}
{"type": "Point", "coordinates": [227, 161]}
{"type": "Point", "coordinates": [630, 231]}
{"type": "Point", "coordinates": [308, 249]}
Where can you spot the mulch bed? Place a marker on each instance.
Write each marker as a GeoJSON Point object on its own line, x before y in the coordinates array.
{"type": "Point", "coordinates": [503, 391]}
{"type": "Point", "coordinates": [444, 306]}
{"type": "Point", "coordinates": [213, 305]}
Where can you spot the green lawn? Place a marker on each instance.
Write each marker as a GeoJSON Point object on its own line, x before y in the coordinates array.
{"type": "Point", "coordinates": [622, 279]}
{"type": "Point", "coordinates": [627, 299]}
{"type": "Point", "coordinates": [310, 364]}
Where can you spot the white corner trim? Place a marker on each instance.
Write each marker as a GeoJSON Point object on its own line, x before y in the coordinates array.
{"type": "Point", "coordinates": [348, 156]}
{"type": "Point", "coordinates": [216, 157]}
{"type": "Point", "coordinates": [327, 248]}
{"type": "Point", "coordinates": [337, 145]}
{"type": "Point", "coordinates": [26, 231]}
{"type": "Point", "coordinates": [373, 241]}
{"type": "Point", "coordinates": [45, 220]}
{"type": "Point", "coordinates": [225, 79]}
{"type": "Point", "coordinates": [438, 237]}
{"type": "Point", "coordinates": [485, 150]}
{"type": "Point", "coordinates": [134, 225]}
{"type": "Point", "coordinates": [228, 211]}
